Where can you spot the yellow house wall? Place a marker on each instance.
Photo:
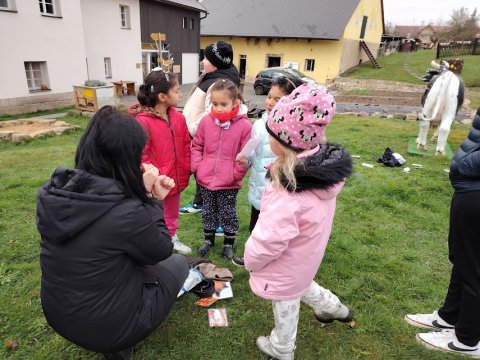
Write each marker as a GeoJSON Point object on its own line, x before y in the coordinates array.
{"type": "Point", "coordinates": [352, 54]}
{"type": "Point", "coordinates": [326, 54]}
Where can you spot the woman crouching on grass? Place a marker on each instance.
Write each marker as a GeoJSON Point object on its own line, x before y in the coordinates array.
{"type": "Point", "coordinates": [109, 278]}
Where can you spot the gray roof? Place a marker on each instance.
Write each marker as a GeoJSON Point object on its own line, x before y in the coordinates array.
{"type": "Point", "coordinates": [190, 4]}
{"type": "Point", "coordinates": [311, 19]}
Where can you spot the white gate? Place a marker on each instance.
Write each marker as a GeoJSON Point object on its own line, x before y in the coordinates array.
{"type": "Point", "coordinates": [190, 68]}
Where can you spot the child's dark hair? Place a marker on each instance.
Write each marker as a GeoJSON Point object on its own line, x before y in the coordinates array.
{"type": "Point", "coordinates": [230, 86]}
{"type": "Point", "coordinates": [156, 82]}
{"type": "Point", "coordinates": [285, 84]}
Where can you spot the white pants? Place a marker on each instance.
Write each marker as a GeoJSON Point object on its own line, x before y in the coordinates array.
{"type": "Point", "coordinates": [286, 313]}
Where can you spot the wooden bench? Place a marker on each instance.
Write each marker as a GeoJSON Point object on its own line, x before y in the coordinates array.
{"type": "Point", "coordinates": [119, 88]}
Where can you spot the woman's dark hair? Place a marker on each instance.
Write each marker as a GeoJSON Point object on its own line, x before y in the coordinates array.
{"type": "Point", "coordinates": [285, 84]}
{"type": "Point", "coordinates": [156, 82]}
{"type": "Point", "coordinates": [230, 86]}
{"type": "Point", "coordinates": [112, 147]}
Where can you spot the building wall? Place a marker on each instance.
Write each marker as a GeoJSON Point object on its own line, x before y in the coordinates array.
{"type": "Point", "coordinates": [184, 43]}
{"type": "Point", "coordinates": [105, 38]}
{"type": "Point", "coordinates": [352, 53]}
{"type": "Point", "coordinates": [29, 36]}
{"type": "Point", "coordinates": [326, 54]}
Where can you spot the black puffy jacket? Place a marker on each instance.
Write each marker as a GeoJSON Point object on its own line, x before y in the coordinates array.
{"type": "Point", "coordinates": [96, 245]}
{"type": "Point", "coordinates": [465, 167]}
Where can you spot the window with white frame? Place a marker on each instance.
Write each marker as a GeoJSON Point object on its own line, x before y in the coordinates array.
{"type": "Point", "coordinates": [8, 5]}
{"type": "Point", "coordinates": [125, 16]}
{"type": "Point", "coordinates": [309, 64]}
{"type": "Point", "coordinates": [37, 76]}
{"type": "Point", "coordinates": [107, 62]}
{"type": "Point", "coordinates": [185, 21]}
{"type": "Point", "coordinates": [49, 7]}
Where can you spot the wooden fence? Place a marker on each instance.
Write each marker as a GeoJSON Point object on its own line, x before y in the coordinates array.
{"type": "Point", "coordinates": [454, 50]}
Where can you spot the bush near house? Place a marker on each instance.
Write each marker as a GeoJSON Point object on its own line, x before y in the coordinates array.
{"type": "Point", "coordinates": [387, 257]}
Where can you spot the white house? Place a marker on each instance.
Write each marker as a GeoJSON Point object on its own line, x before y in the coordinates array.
{"type": "Point", "coordinates": [50, 45]}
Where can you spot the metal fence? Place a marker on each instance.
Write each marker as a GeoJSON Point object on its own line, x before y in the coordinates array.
{"type": "Point", "coordinates": [452, 50]}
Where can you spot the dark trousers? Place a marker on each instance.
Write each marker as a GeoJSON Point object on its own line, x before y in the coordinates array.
{"type": "Point", "coordinates": [197, 199]}
{"type": "Point", "coordinates": [253, 218]}
{"type": "Point", "coordinates": [219, 207]}
{"type": "Point", "coordinates": [462, 303]}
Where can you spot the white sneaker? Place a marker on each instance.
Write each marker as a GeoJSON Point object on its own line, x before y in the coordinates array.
{"type": "Point", "coordinates": [179, 247]}
{"type": "Point", "coordinates": [342, 314]}
{"type": "Point", "coordinates": [447, 341]}
{"type": "Point", "coordinates": [265, 346]}
{"type": "Point", "coordinates": [428, 321]}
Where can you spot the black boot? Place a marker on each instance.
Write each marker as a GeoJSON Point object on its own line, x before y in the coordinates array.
{"type": "Point", "coordinates": [209, 242]}
{"type": "Point", "coordinates": [228, 245]}
{"type": "Point", "coordinates": [119, 355]}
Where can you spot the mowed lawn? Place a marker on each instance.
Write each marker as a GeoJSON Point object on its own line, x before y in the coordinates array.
{"type": "Point", "coordinates": [387, 257]}
{"type": "Point", "coordinates": [408, 67]}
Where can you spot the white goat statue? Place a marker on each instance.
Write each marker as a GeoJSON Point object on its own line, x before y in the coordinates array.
{"type": "Point", "coordinates": [441, 101]}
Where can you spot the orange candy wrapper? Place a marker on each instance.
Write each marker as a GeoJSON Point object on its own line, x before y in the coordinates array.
{"type": "Point", "coordinates": [205, 301]}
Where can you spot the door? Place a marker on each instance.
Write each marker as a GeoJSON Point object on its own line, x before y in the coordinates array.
{"type": "Point", "coordinates": [190, 68]}
{"type": "Point", "coordinates": [243, 66]}
{"type": "Point", "coordinates": [364, 27]}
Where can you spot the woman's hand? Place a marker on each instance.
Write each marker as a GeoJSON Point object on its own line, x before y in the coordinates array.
{"type": "Point", "coordinates": [241, 160]}
{"type": "Point", "coordinates": [162, 186]}
{"type": "Point", "coordinates": [150, 175]}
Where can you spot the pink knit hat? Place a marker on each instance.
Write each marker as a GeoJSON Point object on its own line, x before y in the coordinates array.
{"type": "Point", "coordinates": [298, 120]}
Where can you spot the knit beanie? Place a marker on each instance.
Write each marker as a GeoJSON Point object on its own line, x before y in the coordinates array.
{"type": "Point", "coordinates": [220, 54]}
{"type": "Point", "coordinates": [298, 120]}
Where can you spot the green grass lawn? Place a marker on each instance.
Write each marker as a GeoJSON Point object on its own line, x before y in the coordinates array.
{"type": "Point", "coordinates": [387, 257]}
{"type": "Point", "coordinates": [400, 66]}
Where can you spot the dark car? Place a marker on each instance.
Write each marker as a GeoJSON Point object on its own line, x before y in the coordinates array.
{"type": "Point", "coordinates": [265, 78]}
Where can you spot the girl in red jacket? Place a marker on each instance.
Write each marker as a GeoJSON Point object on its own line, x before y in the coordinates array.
{"type": "Point", "coordinates": [220, 136]}
{"type": "Point", "coordinates": [168, 142]}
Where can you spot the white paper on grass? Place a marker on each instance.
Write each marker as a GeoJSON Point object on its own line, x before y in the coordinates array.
{"type": "Point", "coordinates": [250, 146]}
{"type": "Point", "coordinates": [225, 292]}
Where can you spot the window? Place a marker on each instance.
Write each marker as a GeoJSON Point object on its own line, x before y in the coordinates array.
{"type": "Point", "coordinates": [107, 63]}
{"type": "Point", "coordinates": [192, 22]}
{"type": "Point", "coordinates": [125, 16]}
{"type": "Point", "coordinates": [8, 5]}
{"type": "Point", "coordinates": [49, 7]}
{"type": "Point", "coordinates": [309, 64]}
{"type": "Point", "coordinates": [37, 77]}
{"type": "Point", "coordinates": [185, 22]}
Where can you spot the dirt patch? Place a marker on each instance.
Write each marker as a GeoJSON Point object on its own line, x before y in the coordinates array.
{"type": "Point", "coordinates": [26, 129]}
{"type": "Point", "coordinates": [401, 99]}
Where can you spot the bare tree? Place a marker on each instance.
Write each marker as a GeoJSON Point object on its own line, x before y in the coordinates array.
{"type": "Point", "coordinates": [389, 28]}
{"type": "Point", "coordinates": [464, 26]}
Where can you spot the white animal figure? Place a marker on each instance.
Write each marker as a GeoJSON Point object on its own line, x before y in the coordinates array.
{"type": "Point", "coordinates": [441, 101]}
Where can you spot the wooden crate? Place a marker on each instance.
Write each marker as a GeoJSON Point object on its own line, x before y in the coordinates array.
{"type": "Point", "coordinates": [93, 98]}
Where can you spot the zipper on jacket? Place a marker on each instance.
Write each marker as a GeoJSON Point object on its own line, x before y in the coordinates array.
{"type": "Point", "coordinates": [174, 152]}
{"type": "Point", "coordinates": [216, 160]}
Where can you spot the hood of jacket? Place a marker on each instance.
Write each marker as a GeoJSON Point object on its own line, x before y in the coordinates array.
{"type": "Point", "coordinates": [330, 165]}
{"type": "Point", "coordinates": [231, 74]}
{"type": "Point", "coordinates": [72, 200]}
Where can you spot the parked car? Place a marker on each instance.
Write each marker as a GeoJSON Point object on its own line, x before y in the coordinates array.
{"type": "Point", "coordinates": [265, 78]}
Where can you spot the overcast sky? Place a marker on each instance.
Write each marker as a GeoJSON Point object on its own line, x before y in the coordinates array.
{"type": "Point", "coordinates": [413, 12]}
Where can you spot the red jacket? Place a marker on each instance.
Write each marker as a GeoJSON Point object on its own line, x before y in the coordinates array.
{"type": "Point", "coordinates": [168, 144]}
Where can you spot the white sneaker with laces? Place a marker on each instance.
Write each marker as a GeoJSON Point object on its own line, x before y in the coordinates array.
{"type": "Point", "coordinates": [179, 247]}
{"type": "Point", "coordinates": [428, 321]}
{"type": "Point", "coordinates": [447, 341]}
{"type": "Point", "coordinates": [265, 346]}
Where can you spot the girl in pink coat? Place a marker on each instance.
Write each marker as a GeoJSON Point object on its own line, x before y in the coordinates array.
{"type": "Point", "coordinates": [220, 136]}
{"type": "Point", "coordinates": [286, 247]}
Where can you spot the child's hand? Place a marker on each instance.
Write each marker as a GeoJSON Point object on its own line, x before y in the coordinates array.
{"type": "Point", "coordinates": [241, 160]}
{"type": "Point", "coordinates": [162, 186]}
{"type": "Point", "coordinates": [149, 178]}
{"type": "Point", "coordinates": [146, 167]}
